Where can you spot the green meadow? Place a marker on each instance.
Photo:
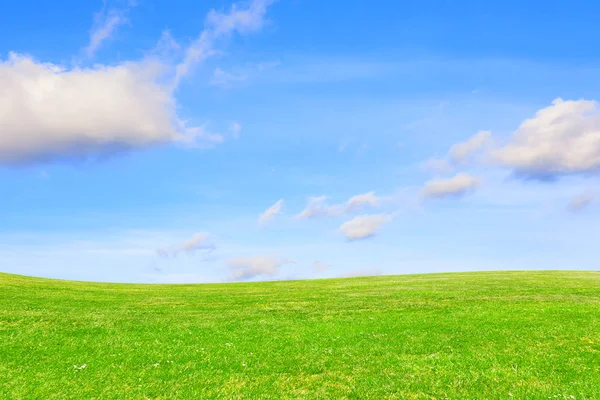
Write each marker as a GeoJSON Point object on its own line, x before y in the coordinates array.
{"type": "Point", "coordinates": [490, 335]}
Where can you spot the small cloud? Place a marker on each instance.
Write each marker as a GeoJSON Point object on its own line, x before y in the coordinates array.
{"type": "Point", "coordinates": [458, 185]}
{"type": "Point", "coordinates": [244, 268]}
{"type": "Point", "coordinates": [582, 201]}
{"type": "Point", "coordinates": [364, 226]}
{"type": "Point", "coordinates": [317, 207]}
{"type": "Point", "coordinates": [198, 242]}
{"type": "Point", "coordinates": [461, 151]}
{"type": "Point", "coordinates": [271, 212]}
{"type": "Point", "coordinates": [358, 201]}
{"type": "Point", "coordinates": [320, 267]}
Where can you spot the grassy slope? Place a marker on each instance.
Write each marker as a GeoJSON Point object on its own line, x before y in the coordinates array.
{"type": "Point", "coordinates": [467, 335]}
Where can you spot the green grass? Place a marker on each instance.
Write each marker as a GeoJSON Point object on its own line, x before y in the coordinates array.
{"type": "Point", "coordinates": [457, 336]}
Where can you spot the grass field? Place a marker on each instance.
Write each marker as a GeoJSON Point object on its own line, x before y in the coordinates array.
{"type": "Point", "coordinates": [519, 335]}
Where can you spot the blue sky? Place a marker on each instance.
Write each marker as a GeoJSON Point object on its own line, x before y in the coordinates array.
{"type": "Point", "coordinates": [142, 141]}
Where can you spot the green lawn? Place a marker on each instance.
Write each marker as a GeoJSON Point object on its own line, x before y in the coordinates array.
{"type": "Point", "coordinates": [519, 335]}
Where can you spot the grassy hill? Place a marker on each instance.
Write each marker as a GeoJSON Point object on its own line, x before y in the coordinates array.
{"type": "Point", "coordinates": [457, 336]}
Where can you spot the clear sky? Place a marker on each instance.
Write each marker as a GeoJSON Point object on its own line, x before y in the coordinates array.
{"type": "Point", "coordinates": [187, 141]}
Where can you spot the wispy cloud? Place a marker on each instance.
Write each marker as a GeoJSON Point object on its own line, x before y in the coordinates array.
{"type": "Point", "coordinates": [220, 25]}
{"type": "Point", "coordinates": [199, 242]}
{"type": "Point", "coordinates": [106, 22]}
{"type": "Point", "coordinates": [582, 201]}
{"type": "Point", "coordinates": [318, 208]}
{"type": "Point", "coordinates": [460, 152]}
{"type": "Point", "coordinates": [271, 212]}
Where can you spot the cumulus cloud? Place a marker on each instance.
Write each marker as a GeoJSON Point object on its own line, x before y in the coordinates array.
{"type": "Point", "coordinates": [244, 268]}
{"type": "Point", "coordinates": [364, 226]}
{"type": "Point", "coordinates": [271, 212]}
{"type": "Point", "coordinates": [50, 112]}
{"type": "Point", "coordinates": [582, 201]}
{"type": "Point", "coordinates": [198, 242]}
{"type": "Point", "coordinates": [220, 25]}
{"type": "Point", "coordinates": [317, 207]}
{"type": "Point", "coordinates": [561, 139]}
{"type": "Point", "coordinates": [458, 185]}
{"type": "Point", "coordinates": [462, 151]}
{"type": "Point", "coordinates": [47, 111]}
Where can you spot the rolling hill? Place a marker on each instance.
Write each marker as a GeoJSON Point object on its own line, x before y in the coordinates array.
{"type": "Point", "coordinates": [486, 335]}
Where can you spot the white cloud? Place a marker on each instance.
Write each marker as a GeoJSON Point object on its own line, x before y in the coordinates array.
{"type": "Point", "coordinates": [317, 207]}
{"type": "Point", "coordinates": [221, 25]}
{"type": "Point", "coordinates": [458, 185]}
{"type": "Point", "coordinates": [364, 226]}
{"type": "Point", "coordinates": [356, 202]}
{"type": "Point", "coordinates": [582, 201]}
{"type": "Point", "coordinates": [561, 139]}
{"type": "Point", "coordinates": [49, 112]}
{"type": "Point", "coordinates": [198, 242]}
{"type": "Point", "coordinates": [271, 212]}
{"type": "Point", "coordinates": [319, 266]}
{"type": "Point", "coordinates": [244, 268]}
{"type": "Point", "coordinates": [461, 151]}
